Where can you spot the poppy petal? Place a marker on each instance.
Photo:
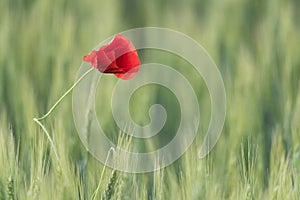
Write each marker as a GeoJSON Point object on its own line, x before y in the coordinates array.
{"type": "Point", "coordinates": [118, 57]}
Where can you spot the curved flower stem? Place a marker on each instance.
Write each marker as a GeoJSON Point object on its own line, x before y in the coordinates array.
{"type": "Point", "coordinates": [49, 138]}
{"type": "Point", "coordinates": [63, 96]}
{"type": "Point", "coordinates": [37, 120]}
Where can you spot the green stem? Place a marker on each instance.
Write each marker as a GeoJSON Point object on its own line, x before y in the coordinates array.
{"type": "Point", "coordinates": [63, 96]}
{"type": "Point", "coordinates": [37, 120]}
{"type": "Point", "coordinates": [49, 138]}
{"type": "Point", "coordinates": [102, 174]}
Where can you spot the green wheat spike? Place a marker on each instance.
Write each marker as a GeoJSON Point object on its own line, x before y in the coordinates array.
{"type": "Point", "coordinates": [10, 189]}
{"type": "Point", "coordinates": [110, 187]}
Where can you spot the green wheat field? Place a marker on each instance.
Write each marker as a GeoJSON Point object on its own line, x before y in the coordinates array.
{"type": "Point", "coordinates": [256, 46]}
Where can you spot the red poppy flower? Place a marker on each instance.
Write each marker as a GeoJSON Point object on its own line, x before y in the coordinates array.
{"type": "Point", "coordinates": [118, 57]}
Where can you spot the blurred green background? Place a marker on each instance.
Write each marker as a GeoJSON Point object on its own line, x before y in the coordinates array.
{"type": "Point", "coordinates": [255, 44]}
